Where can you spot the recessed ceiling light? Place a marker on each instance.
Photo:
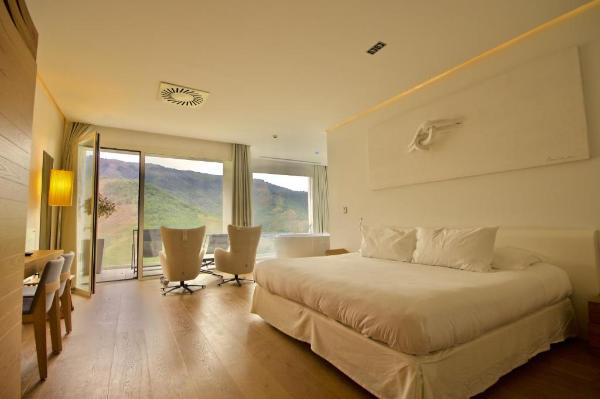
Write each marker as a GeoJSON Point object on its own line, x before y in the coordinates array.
{"type": "Point", "coordinates": [275, 136]}
{"type": "Point", "coordinates": [376, 47]}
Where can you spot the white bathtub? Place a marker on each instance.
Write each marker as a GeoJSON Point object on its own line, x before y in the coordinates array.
{"type": "Point", "coordinates": [300, 245]}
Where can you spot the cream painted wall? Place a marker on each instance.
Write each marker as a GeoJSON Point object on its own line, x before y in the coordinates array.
{"type": "Point", "coordinates": [160, 144]}
{"type": "Point", "coordinates": [566, 195]}
{"type": "Point", "coordinates": [48, 126]}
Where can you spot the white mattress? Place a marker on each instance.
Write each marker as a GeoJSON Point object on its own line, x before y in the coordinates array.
{"type": "Point", "coordinates": [415, 309]}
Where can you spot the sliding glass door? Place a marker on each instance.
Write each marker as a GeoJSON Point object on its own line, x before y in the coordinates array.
{"type": "Point", "coordinates": [118, 215]}
{"type": "Point", "coordinates": [178, 193]}
{"type": "Point", "coordinates": [86, 209]}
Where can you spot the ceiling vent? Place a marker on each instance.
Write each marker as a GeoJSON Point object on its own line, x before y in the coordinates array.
{"type": "Point", "coordinates": [182, 96]}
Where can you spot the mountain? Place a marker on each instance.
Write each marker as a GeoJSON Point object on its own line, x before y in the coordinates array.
{"type": "Point", "coordinates": [184, 199]}
{"type": "Point", "coordinates": [279, 209]}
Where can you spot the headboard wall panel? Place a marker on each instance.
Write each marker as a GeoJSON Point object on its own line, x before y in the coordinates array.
{"type": "Point", "coordinates": [574, 250]}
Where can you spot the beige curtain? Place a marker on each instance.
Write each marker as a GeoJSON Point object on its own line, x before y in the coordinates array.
{"type": "Point", "coordinates": [73, 132]}
{"type": "Point", "coordinates": [242, 186]}
{"type": "Point", "coordinates": [320, 200]}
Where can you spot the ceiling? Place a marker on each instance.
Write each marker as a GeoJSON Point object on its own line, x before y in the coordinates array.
{"type": "Point", "coordinates": [291, 68]}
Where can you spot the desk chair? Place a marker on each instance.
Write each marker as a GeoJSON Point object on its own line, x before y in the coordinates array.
{"type": "Point", "coordinates": [64, 293]}
{"type": "Point", "coordinates": [41, 301]}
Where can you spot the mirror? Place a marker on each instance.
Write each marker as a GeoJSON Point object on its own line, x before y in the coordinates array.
{"type": "Point", "coordinates": [45, 240]}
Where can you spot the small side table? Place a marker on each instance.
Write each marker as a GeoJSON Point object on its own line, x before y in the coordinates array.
{"type": "Point", "coordinates": [336, 251]}
{"type": "Point", "coordinates": [594, 324]}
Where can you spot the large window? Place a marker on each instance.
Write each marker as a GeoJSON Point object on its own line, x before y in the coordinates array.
{"type": "Point", "coordinates": [280, 205]}
{"type": "Point", "coordinates": [179, 193]}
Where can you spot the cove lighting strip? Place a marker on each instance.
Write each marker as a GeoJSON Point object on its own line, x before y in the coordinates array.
{"type": "Point", "coordinates": [540, 28]}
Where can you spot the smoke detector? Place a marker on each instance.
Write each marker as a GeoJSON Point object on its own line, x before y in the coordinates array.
{"type": "Point", "coordinates": [181, 95]}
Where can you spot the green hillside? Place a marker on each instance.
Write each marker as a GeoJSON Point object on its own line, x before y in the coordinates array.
{"type": "Point", "coordinates": [185, 199]}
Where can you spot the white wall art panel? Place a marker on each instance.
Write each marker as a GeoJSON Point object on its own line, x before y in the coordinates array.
{"type": "Point", "coordinates": [529, 115]}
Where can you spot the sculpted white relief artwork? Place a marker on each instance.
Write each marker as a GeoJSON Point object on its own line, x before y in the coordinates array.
{"type": "Point", "coordinates": [425, 132]}
{"type": "Point", "coordinates": [484, 121]}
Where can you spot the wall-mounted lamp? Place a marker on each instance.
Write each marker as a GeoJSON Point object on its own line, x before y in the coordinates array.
{"type": "Point", "coordinates": [61, 188]}
{"type": "Point", "coordinates": [424, 135]}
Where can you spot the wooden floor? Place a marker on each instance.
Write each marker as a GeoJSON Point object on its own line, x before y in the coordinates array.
{"type": "Point", "coordinates": [129, 341]}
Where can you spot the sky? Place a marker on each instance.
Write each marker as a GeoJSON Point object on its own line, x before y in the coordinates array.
{"type": "Point", "coordinates": [212, 168]}
{"type": "Point", "coordinates": [296, 183]}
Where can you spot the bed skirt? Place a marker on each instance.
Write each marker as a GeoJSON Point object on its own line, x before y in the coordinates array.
{"type": "Point", "coordinates": [458, 372]}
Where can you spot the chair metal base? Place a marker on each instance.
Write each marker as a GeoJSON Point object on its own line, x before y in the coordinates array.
{"type": "Point", "coordinates": [236, 278]}
{"type": "Point", "coordinates": [206, 268]}
{"type": "Point", "coordinates": [209, 271]}
{"type": "Point", "coordinates": [181, 286]}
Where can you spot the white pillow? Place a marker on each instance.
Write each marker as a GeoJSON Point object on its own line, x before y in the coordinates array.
{"type": "Point", "coordinates": [512, 258]}
{"type": "Point", "coordinates": [388, 243]}
{"type": "Point", "coordinates": [466, 249]}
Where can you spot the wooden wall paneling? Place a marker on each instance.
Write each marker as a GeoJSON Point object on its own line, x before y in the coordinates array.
{"type": "Point", "coordinates": [18, 43]}
{"type": "Point", "coordinates": [17, 77]}
{"type": "Point", "coordinates": [13, 153]}
{"type": "Point", "coordinates": [11, 171]}
{"type": "Point", "coordinates": [8, 316]}
{"type": "Point", "coordinates": [12, 191]}
{"type": "Point", "coordinates": [10, 356]}
{"type": "Point", "coordinates": [11, 133]}
{"type": "Point", "coordinates": [17, 94]}
{"type": "Point", "coordinates": [11, 230]}
{"type": "Point", "coordinates": [24, 24]}
{"type": "Point", "coordinates": [29, 23]}
{"type": "Point", "coordinates": [11, 266]}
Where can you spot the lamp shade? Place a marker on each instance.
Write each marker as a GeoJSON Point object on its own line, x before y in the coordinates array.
{"type": "Point", "coordinates": [61, 188]}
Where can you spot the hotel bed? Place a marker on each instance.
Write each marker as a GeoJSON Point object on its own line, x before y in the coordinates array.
{"type": "Point", "coordinates": [405, 330]}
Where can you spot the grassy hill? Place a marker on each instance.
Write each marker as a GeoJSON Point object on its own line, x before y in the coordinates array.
{"type": "Point", "coordinates": [184, 199]}
{"type": "Point", "coordinates": [278, 209]}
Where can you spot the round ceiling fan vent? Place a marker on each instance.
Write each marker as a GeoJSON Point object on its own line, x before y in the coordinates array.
{"type": "Point", "coordinates": [182, 96]}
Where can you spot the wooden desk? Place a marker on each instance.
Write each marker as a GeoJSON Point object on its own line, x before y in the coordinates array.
{"type": "Point", "coordinates": [36, 262]}
{"type": "Point", "coordinates": [336, 251]}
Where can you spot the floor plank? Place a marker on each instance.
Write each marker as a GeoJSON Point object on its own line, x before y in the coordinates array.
{"type": "Point", "coordinates": [128, 341]}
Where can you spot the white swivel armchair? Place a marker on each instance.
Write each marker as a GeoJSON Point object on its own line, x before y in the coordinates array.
{"type": "Point", "coordinates": [241, 257]}
{"type": "Point", "coordinates": [181, 258]}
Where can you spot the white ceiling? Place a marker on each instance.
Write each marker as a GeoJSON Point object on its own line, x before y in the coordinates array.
{"type": "Point", "coordinates": [291, 68]}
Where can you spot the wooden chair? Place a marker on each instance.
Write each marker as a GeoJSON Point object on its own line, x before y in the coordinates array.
{"type": "Point", "coordinates": [64, 293]}
{"type": "Point", "coordinates": [41, 301]}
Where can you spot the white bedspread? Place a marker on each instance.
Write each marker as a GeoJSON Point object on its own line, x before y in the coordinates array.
{"type": "Point", "coordinates": [415, 309]}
